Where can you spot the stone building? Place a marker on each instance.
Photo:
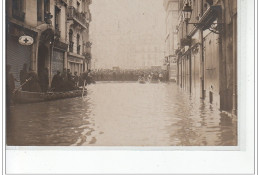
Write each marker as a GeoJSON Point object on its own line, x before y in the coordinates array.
{"type": "Point", "coordinates": [49, 23]}
{"type": "Point", "coordinates": [207, 59]}
{"type": "Point", "coordinates": [171, 8]}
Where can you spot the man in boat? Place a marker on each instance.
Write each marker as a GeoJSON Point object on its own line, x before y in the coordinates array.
{"type": "Point", "coordinates": [76, 79]}
{"type": "Point", "coordinates": [33, 84]}
{"type": "Point", "coordinates": [64, 81]}
{"type": "Point", "coordinates": [23, 76]}
{"type": "Point", "coordinates": [44, 80]}
{"type": "Point", "coordinates": [81, 80]}
{"type": "Point", "coordinates": [10, 85]}
{"type": "Point", "coordinates": [56, 83]}
{"type": "Point", "coordinates": [70, 82]}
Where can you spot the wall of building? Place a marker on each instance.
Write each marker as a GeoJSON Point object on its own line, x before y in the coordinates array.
{"type": "Point", "coordinates": [210, 70]}
{"type": "Point", "coordinates": [31, 13]}
{"type": "Point", "coordinates": [45, 38]}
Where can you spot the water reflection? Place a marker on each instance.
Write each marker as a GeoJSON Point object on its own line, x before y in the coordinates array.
{"type": "Point", "coordinates": [127, 114]}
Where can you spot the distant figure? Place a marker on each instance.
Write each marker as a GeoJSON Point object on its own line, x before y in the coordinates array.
{"type": "Point", "coordinates": [44, 80]}
{"type": "Point", "coordinates": [70, 82]}
{"type": "Point", "coordinates": [56, 83]}
{"type": "Point", "coordinates": [81, 80]}
{"type": "Point", "coordinates": [64, 77]}
{"type": "Point", "coordinates": [33, 84]}
{"type": "Point", "coordinates": [10, 86]}
{"type": "Point", "coordinates": [23, 76]}
{"type": "Point", "coordinates": [76, 79]}
{"type": "Point", "coordinates": [160, 76]}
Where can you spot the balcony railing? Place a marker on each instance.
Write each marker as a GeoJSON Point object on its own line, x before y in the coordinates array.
{"type": "Point", "coordinates": [80, 18]}
{"type": "Point", "coordinates": [71, 46]}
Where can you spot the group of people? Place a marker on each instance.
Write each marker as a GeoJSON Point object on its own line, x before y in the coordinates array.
{"type": "Point", "coordinates": [65, 81]}
{"type": "Point", "coordinates": [32, 82]}
{"type": "Point", "coordinates": [128, 75]}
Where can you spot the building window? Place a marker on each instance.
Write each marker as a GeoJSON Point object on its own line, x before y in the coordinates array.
{"type": "Point", "coordinates": [78, 5]}
{"type": "Point", "coordinates": [57, 18]}
{"type": "Point", "coordinates": [78, 45]}
{"type": "Point", "coordinates": [18, 9]}
{"type": "Point", "coordinates": [39, 10]}
{"type": "Point", "coordinates": [46, 6]}
{"type": "Point", "coordinates": [71, 43]}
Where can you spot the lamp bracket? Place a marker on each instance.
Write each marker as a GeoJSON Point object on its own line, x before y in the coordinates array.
{"type": "Point", "coordinates": [212, 28]}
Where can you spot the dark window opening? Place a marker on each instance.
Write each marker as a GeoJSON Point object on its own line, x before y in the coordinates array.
{"type": "Point", "coordinates": [70, 41]}
{"type": "Point", "coordinates": [39, 10]}
{"type": "Point", "coordinates": [78, 4]}
{"type": "Point", "coordinates": [210, 97]}
{"type": "Point", "coordinates": [46, 6]}
{"type": "Point", "coordinates": [57, 17]}
{"type": "Point", "coordinates": [78, 46]}
{"type": "Point", "coordinates": [18, 9]}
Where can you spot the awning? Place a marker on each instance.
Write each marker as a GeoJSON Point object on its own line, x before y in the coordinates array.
{"type": "Point", "coordinates": [207, 19]}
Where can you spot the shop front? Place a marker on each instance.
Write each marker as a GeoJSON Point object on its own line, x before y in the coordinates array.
{"type": "Point", "coordinates": [75, 63]}
{"type": "Point", "coordinates": [58, 57]}
{"type": "Point", "coordinates": [17, 54]}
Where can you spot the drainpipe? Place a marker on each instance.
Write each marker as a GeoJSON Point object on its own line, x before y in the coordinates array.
{"type": "Point", "coordinates": [234, 25]}
{"type": "Point", "coordinates": [202, 76]}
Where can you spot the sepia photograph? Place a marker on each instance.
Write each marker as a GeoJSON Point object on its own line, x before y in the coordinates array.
{"type": "Point", "coordinates": [121, 73]}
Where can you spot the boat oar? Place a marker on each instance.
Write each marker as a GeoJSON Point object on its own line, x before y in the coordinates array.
{"type": "Point", "coordinates": [83, 88]}
{"type": "Point", "coordinates": [26, 81]}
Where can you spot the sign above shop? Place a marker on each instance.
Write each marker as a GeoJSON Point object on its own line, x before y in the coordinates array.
{"type": "Point", "coordinates": [26, 40]}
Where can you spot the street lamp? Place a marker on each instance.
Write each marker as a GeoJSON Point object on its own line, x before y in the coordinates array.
{"type": "Point", "coordinates": [186, 12]}
{"type": "Point", "coordinates": [205, 24]}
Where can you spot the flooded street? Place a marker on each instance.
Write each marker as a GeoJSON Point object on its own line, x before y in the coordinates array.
{"type": "Point", "coordinates": [122, 114]}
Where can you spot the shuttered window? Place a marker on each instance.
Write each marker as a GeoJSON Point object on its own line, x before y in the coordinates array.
{"type": "Point", "coordinates": [16, 56]}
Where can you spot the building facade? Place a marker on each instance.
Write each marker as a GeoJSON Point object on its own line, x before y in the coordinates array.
{"type": "Point", "coordinates": [54, 25]}
{"type": "Point", "coordinates": [207, 59]}
{"type": "Point", "coordinates": [171, 8]}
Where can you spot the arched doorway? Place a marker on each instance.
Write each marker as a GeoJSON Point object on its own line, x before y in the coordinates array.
{"type": "Point", "coordinates": [43, 56]}
{"type": "Point", "coordinates": [45, 52]}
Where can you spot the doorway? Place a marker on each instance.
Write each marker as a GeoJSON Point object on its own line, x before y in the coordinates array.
{"type": "Point", "coordinates": [43, 55]}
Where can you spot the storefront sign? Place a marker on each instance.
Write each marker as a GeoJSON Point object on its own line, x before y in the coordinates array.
{"type": "Point", "coordinates": [26, 40]}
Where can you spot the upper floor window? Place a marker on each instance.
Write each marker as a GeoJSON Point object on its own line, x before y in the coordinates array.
{"type": "Point", "coordinates": [46, 6]}
{"type": "Point", "coordinates": [39, 10]}
{"type": "Point", "coordinates": [18, 9]}
{"type": "Point", "coordinates": [78, 44]}
{"type": "Point", "coordinates": [57, 17]}
{"type": "Point", "coordinates": [78, 5]}
{"type": "Point", "coordinates": [71, 43]}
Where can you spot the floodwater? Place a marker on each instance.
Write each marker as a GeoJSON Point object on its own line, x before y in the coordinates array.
{"type": "Point", "coordinates": [122, 114]}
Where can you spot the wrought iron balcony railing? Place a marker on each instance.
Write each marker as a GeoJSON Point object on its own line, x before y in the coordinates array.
{"type": "Point", "coordinates": [78, 17]}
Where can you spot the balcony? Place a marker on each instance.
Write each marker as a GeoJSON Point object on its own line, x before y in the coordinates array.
{"type": "Point", "coordinates": [79, 18]}
{"type": "Point", "coordinates": [71, 46]}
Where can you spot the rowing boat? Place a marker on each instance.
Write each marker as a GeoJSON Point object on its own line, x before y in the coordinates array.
{"type": "Point", "coordinates": [32, 97]}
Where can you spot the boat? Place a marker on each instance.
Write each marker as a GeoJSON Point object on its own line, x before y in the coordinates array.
{"type": "Point", "coordinates": [154, 81]}
{"type": "Point", "coordinates": [141, 81]}
{"type": "Point", "coordinates": [32, 97]}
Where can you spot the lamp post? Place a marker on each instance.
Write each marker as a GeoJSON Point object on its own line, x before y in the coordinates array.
{"type": "Point", "coordinates": [186, 12]}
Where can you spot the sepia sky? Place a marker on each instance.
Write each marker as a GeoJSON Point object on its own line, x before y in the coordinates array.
{"type": "Point", "coordinates": [118, 27]}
